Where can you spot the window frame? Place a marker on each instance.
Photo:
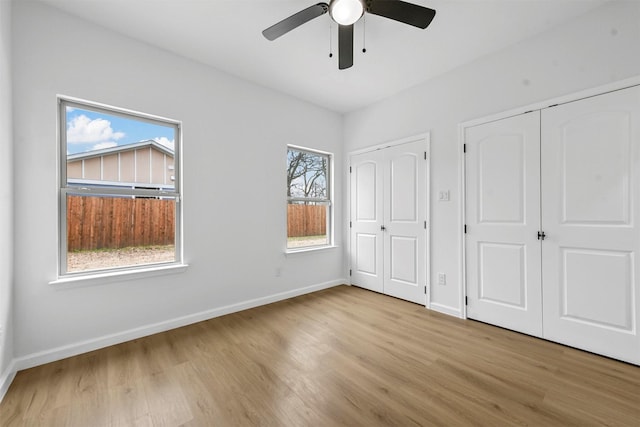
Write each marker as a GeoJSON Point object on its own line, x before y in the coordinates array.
{"type": "Point", "coordinates": [64, 189]}
{"type": "Point", "coordinates": [327, 201]}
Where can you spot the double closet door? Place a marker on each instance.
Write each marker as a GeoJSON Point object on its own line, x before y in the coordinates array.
{"type": "Point", "coordinates": [552, 216]}
{"type": "Point", "coordinates": [389, 220]}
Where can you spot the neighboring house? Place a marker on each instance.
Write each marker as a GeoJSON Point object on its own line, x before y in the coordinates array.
{"type": "Point", "coordinates": [144, 164]}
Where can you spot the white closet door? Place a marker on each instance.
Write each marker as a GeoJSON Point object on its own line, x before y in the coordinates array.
{"type": "Point", "coordinates": [405, 234]}
{"type": "Point", "coordinates": [388, 214]}
{"type": "Point", "coordinates": [366, 221]}
{"type": "Point", "coordinates": [591, 214]}
{"type": "Point", "coordinates": [503, 219]}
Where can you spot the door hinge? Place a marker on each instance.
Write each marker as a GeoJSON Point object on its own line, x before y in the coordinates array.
{"type": "Point", "coordinates": [350, 272]}
{"type": "Point", "coordinates": [349, 169]}
{"type": "Point", "coordinates": [425, 225]}
{"type": "Point", "coordinates": [425, 155]}
{"type": "Point", "coordinates": [350, 224]}
{"type": "Point", "coordinates": [465, 229]}
{"type": "Point", "coordinates": [466, 300]}
{"type": "Point", "coordinates": [425, 290]}
{"type": "Point", "coordinates": [541, 235]}
{"type": "Point", "coordinates": [464, 148]}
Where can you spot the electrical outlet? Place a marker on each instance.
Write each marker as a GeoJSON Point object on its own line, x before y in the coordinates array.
{"type": "Point", "coordinates": [442, 279]}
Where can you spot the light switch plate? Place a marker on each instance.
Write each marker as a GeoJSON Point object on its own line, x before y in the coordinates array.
{"type": "Point", "coordinates": [442, 279]}
{"type": "Point", "coordinates": [443, 195]}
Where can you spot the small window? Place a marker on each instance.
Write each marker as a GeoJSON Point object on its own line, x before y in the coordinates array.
{"type": "Point", "coordinates": [119, 189]}
{"type": "Point", "coordinates": [308, 198]}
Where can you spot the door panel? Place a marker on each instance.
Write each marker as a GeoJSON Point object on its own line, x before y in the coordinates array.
{"type": "Point", "coordinates": [367, 218]}
{"type": "Point", "coordinates": [502, 274]}
{"type": "Point", "coordinates": [584, 273]}
{"type": "Point", "coordinates": [404, 256]}
{"type": "Point", "coordinates": [590, 198]}
{"type": "Point", "coordinates": [596, 181]}
{"type": "Point", "coordinates": [405, 213]}
{"type": "Point", "coordinates": [366, 256]}
{"type": "Point", "coordinates": [404, 188]}
{"type": "Point", "coordinates": [366, 193]}
{"type": "Point", "coordinates": [503, 218]}
{"type": "Point", "coordinates": [501, 195]}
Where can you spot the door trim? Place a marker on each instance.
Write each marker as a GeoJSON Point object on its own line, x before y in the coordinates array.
{"type": "Point", "coordinates": [576, 96]}
{"type": "Point", "coordinates": [426, 137]}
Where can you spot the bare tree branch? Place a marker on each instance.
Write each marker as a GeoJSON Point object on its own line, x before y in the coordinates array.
{"type": "Point", "coordinates": [306, 174]}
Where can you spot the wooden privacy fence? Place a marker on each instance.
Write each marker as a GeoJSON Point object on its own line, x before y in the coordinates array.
{"type": "Point", "coordinates": [117, 222]}
{"type": "Point", "coordinates": [306, 220]}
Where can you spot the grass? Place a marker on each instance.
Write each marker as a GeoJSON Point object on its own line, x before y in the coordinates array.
{"type": "Point", "coordinates": [305, 241]}
{"type": "Point", "coordinates": [299, 238]}
{"type": "Point", "coordinates": [149, 247]}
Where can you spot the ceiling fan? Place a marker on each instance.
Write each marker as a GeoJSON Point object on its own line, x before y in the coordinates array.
{"type": "Point", "coordinates": [346, 13]}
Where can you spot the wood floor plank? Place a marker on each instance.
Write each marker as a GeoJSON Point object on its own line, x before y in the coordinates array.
{"type": "Point", "coordinates": [342, 356]}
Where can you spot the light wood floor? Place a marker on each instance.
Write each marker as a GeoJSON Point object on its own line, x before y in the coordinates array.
{"type": "Point", "coordinates": [340, 357]}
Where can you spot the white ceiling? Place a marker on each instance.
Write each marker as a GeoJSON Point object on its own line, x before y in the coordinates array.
{"type": "Point", "coordinates": [227, 35]}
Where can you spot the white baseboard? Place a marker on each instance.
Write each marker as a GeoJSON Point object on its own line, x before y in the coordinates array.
{"type": "Point", "coordinates": [62, 352]}
{"type": "Point", "coordinates": [445, 309]}
{"type": "Point", "coordinates": [7, 378]}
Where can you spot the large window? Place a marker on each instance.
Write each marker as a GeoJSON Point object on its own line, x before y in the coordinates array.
{"type": "Point", "coordinates": [119, 189]}
{"type": "Point", "coordinates": [308, 198]}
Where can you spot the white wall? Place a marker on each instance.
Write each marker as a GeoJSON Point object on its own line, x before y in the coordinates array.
{"type": "Point", "coordinates": [235, 137]}
{"type": "Point", "coordinates": [595, 49]}
{"type": "Point", "coordinates": [6, 195]}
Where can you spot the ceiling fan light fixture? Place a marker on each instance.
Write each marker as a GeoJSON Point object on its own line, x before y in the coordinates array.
{"type": "Point", "coordinates": [346, 12]}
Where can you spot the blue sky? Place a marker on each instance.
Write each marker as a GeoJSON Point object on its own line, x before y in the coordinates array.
{"type": "Point", "coordinates": [89, 130]}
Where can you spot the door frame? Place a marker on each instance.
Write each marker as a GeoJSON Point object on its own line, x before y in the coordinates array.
{"type": "Point", "coordinates": [426, 138]}
{"type": "Point", "coordinates": [576, 96]}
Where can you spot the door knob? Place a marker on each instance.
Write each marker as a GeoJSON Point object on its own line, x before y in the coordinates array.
{"type": "Point", "coordinates": [382, 227]}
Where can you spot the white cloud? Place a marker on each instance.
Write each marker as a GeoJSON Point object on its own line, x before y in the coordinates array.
{"type": "Point", "coordinates": [81, 129]}
{"type": "Point", "coordinates": [106, 144]}
{"type": "Point", "coordinates": [163, 140]}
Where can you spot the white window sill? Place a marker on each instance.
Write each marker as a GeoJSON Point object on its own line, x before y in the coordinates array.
{"type": "Point", "coordinates": [310, 249]}
{"type": "Point", "coordinates": [100, 278]}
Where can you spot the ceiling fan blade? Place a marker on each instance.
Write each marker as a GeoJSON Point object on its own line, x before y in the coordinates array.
{"type": "Point", "coordinates": [345, 46]}
{"type": "Point", "coordinates": [408, 13]}
{"type": "Point", "coordinates": [295, 20]}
